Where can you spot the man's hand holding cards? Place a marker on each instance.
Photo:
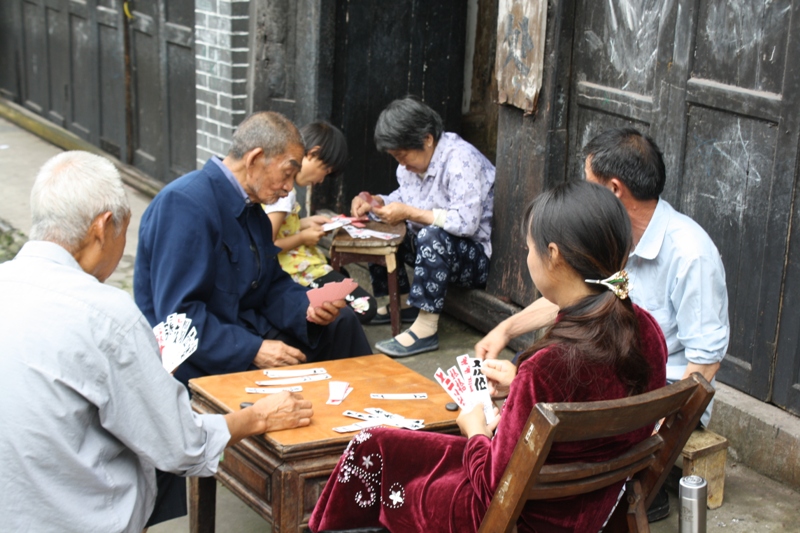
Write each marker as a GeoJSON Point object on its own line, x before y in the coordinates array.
{"type": "Point", "coordinates": [326, 301]}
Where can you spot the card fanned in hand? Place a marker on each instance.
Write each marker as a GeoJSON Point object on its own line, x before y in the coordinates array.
{"type": "Point", "coordinates": [330, 292]}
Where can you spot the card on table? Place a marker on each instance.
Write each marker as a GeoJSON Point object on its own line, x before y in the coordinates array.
{"type": "Point", "coordinates": [292, 381]}
{"type": "Point", "coordinates": [289, 373]}
{"type": "Point", "coordinates": [271, 390]}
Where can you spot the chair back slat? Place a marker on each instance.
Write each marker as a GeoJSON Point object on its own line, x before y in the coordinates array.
{"type": "Point", "coordinates": [574, 471]}
{"type": "Point", "coordinates": [549, 491]}
{"type": "Point", "coordinates": [591, 420]}
{"type": "Point", "coordinates": [648, 463]}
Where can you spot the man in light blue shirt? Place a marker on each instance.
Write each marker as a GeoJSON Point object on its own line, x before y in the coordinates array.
{"type": "Point", "coordinates": [89, 412]}
{"type": "Point", "coordinates": [676, 272]}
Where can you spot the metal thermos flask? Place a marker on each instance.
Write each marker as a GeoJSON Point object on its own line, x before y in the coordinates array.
{"type": "Point", "coordinates": [693, 496]}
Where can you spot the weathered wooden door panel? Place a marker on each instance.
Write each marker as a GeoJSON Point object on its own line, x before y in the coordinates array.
{"type": "Point", "coordinates": [82, 71]}
{"type": "Point", "coordinates": [178, 49]}
{"type": "Point", "coordinates": [786, 384]}
{"type": "Point", "coordinates": [34, 51]}
{"type": "Point", "coordinates": [111, 79]}
{"type": "Point", "coordinates": [149, 107]}
{"type": "Point", "coordinates": [10, 51]}
{"type": "Point", "coordinates": [383, 51]}
{"type": "Point", "coordinates": [740, 156]}
{"type": "Point", "coordinates": [711, 82]}
{"type": "Point", "coordinates": [163, 88]}
{"type": "Point", "coordinates": [618, 58]}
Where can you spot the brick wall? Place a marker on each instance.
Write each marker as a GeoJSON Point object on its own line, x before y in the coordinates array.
{"type": "Point", "coordinates": [221, 60]}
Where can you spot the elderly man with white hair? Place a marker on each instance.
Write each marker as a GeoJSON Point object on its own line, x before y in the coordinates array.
{"type": "Point", "coordinates": [89, 412]}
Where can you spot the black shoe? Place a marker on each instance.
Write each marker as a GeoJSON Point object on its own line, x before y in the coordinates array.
{"type": "Point", "coordinates": [659, 509]}
{"type": "Point", "coordinates": [406, 315]}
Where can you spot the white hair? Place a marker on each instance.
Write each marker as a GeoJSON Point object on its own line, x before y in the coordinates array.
{"type": "Point", "coordinates": [71, 190]}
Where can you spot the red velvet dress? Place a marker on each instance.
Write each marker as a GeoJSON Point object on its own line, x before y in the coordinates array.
{"type": "Point", "coordinates": [410, 481]}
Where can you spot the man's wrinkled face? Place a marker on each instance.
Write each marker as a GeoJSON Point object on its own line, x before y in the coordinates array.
{"type": "Point", "coordinates": [270, 179]}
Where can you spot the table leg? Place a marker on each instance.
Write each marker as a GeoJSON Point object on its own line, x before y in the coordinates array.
{"type": "Point", "coordinates": [394, 295]}
{"type": "Point", "coordinates": [202, 504]}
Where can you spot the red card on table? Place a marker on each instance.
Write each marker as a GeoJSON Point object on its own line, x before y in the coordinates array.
{"type": "Point", "coordinates": [331, 292]}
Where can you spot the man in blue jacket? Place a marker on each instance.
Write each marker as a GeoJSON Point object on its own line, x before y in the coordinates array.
{"type": "Point", "coordinates": [206, 250]}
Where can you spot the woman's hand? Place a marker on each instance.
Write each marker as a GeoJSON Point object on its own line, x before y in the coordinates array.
{"type": "Point", "coordinates": [473, 422]}
{"type": "Point", "coordinates": [360, 207]}
{"type": "Point", "coordinates": [311, 235]}
{"type": "Point", "coordinates": [393, 213]}
{"type": "Point", "coordinates": [499, 373]}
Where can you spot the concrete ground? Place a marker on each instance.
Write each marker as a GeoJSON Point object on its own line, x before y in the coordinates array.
{"type": "Point", "coordinates": [753, 502]}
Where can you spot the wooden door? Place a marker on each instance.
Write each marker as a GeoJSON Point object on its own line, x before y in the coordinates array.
{"type": "Point", "coordinates": [384, 51]}
{"type": "Point", "coordinates": [163, 87]}
{"type": "Point", "coordinates": [10, 51]}
{"type": "Point", "coordinates": [712, 83]}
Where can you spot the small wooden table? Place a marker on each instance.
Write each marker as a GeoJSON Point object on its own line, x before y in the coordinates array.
{"type": "Point", "coordinates": [280, 475]}
{"type": "Point", "coordinates": [346, 249]}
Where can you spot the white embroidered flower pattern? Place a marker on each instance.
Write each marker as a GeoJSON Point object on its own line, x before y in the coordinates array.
{"type": "Point", "coordinates": [369, 473]}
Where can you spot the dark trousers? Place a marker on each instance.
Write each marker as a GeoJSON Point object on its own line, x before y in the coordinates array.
{"type": "Point", "coordinates": [342, 338]}
{"type": "Point", "coordinates": [438, 258]}
{"type": "Point", "coordinates": [170, 498]}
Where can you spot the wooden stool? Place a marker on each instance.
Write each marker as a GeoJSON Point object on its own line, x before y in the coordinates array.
{"type": "Point", "coordinates": [704, 455]}
{"type": "Point", "coordinates": [346, 249]}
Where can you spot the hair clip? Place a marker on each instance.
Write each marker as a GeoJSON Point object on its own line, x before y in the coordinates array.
{"type": "Point", "coordinates": [616, 283]}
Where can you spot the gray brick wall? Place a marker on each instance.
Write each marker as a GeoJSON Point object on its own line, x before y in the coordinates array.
{"type": "Point", "coordinates": [221, 56]}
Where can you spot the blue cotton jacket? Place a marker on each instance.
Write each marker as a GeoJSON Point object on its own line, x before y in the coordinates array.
{"type": "Point", "coordinates": [195, 257]}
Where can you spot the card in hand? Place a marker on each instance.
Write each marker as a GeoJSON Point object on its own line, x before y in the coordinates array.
{"type": "Point", "coordinates": [331, 292]}
{"type": "Point", "coordinates": [175, 340]}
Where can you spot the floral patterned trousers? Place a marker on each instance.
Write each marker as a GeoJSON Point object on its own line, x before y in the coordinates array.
{"type": "Point", "coordinates": [438, 258]}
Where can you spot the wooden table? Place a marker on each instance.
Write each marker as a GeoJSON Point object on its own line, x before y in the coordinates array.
{"type": "Point", "coordinates": [280, 475]}
{"type": "Point", "coordinates": [346, 249]}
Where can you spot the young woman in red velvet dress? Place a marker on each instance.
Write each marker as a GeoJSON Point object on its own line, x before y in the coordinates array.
{"type": "Point", "coordinates": [601, 347]}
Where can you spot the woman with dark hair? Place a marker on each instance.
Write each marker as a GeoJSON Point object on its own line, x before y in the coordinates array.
{"type": "Point", "coordinates": [601, 347]}
{"type": "Point", "coordinates": [446, 196]}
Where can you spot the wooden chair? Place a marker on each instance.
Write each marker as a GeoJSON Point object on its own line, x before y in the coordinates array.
{"type": "Point", "coordinates": [645, 466]}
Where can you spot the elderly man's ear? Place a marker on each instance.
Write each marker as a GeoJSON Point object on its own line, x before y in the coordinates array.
{"type": "Point", "coordinates": [101, 248]}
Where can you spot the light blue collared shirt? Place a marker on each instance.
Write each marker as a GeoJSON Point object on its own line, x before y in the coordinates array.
{"type": "Point", "coordinates": [460, 180]}
{"type": "Point", "coordinates": [88, 411]}
{"type": "Point", "coordinates": [676, 274]}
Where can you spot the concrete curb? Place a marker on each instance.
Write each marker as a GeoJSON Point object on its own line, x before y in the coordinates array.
{"type": "Point", "coordinates": [762, 436]}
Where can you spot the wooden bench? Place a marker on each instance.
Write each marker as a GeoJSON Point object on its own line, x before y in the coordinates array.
{"type": "Point", "coordinates": [704, 455]}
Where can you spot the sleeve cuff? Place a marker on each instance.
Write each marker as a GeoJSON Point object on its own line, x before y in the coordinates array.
{"type": "Point", "coordinates": [439, 217]}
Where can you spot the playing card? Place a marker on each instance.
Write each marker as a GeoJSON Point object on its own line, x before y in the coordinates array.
{"type": "Point", "coordinates": [333, 225]}
{"type": "Point", "coordinates": [358, 426]}
{"type": "Point", "coordinates": [292, 381]}
{"type": "Point", "coordinates": [338, 391]}
{"type": "Point", "coordinates": [404, 396]}
{"type": "Point", "coordinates": [465, 367]}
{"type": "Point", "coordinates": [272, 390]}
{"type": "Point", "coordinates": [175, 340]}
{"type": "Point", "coordinates": [480, 386]}
{"type": "Point", "coordinates": [331, 292]}
{"type": "Point", "coordinates": [294, 373]}
{"type": "Point", "coordinates": [450, 386]}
